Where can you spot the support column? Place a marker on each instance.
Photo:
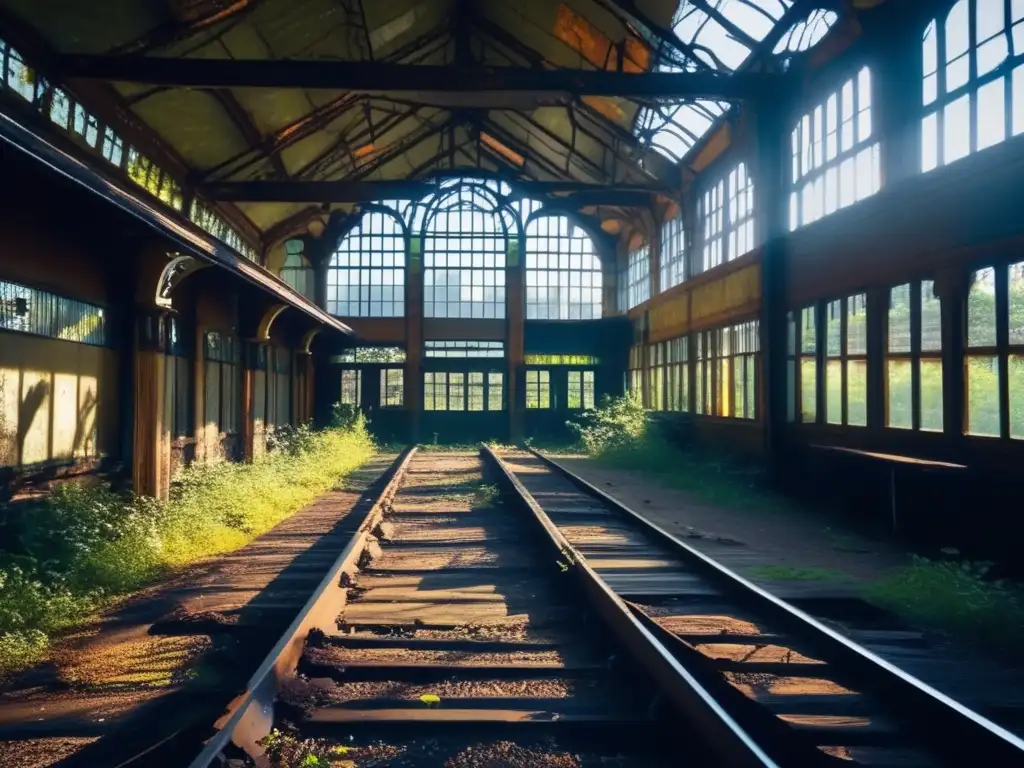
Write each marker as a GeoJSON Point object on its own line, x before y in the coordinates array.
{"type": "Point", "coordinates": [413, 386]}
{"type": "Point", "coordinates": [254, 358]}
{"type": "Point", "coordinates": [151, 452]}
{"type": "Point", "coordinates": [515, 310]}
{"type": "Point", "coordinates": [951, 286]}
{"type": "Point", "coordinates": [771, 200]}
{"type": "Point", "coordinates": [306, 386]}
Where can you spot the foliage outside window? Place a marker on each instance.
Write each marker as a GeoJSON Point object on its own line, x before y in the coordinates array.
{"type": "Point", "coordinates": [463, 391]}
{"type": "Point", "coordinates": [994, 355]}
{"type": "Point", "coordinates": [638, 267]}
{"type": "Point", "coordinates": [726, 369]}
{"type": "Point", "coordinates": [655, 377]}
{"type": "Point", "coordinates": [803, 368]}
{"type": "Point", "coordinates": [560, 360]}
{"type": "Point", "coordinates": [913, 366]}
{"type": "Point", "coordinates": [726, 212]}
{"type": "Point", "coordinates": [673, 253]}
{"type": "Point", "coordinates": [392, 385]}
{"type": "Point", "coordinates": [581, 389]}
{"type": "Point", "coordinates": [366, 274]}
{"type": "Point", "coordinates": [153, 179]}
{"type": "Point", "coordinates": [29, 310]}
{"type": "Point", "coordinates": [669, 369]}
{"type": "Point", "coordinates": [563, 273]}
{"type": "Point", "coordinates": [351, 387]}
{"type": "Point", "coordinates": [846, 364]}
{"type": "Point", "coordinates": [212, 223]}
{"type": "Point", "coordinates": [973, 89]}
{"type": "Point", "coordinates": [636, 373]}
{"type": "Point", "coordinates": [834, 162]}
{"type": "Point", "coordinates": [538, 389]}
{"type": "Point", "coordinates": [371, 355]}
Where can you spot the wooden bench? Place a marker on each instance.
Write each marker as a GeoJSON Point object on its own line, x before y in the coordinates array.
{"type": "Point", "coordinates": [893, 462]}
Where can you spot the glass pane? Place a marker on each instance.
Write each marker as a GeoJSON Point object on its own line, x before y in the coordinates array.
{"type": "Point", "coordinates": [981, 309]}
{"type": "Point", "coordinates": [931, 318]}
{"type": "Point", "coordinates": [834, 392]}
{"type": "Point", "coordinates": [790, 390]}
{"type": "Point", "coordinates": [1016, 303]}
{"type": "Point", "coordinates": [1016, 382]}
{"type": "Point", "coordinates": [857, 393]}
{"type": "Point", "coordinates": [856, 325]}
{"type": "Point", "coordinates": [808, 390]}
{"type": "Point", "coordinates": [899, 319]}
{"type": "Point", "coordinates": [983, 395]}
{"type": "Point", "coordinates": [931, 395]}
{"type": "Point", "coordinates": [833, 328]}
{"type": "Point", "coordinates": [899, 391]}
{"type": "Point", "coordinates": [807, 331]}
{"type": "Point", "coordinates": [495, 383]}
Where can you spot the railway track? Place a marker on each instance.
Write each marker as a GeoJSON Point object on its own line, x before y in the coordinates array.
{"type": "Point", "coordinates": [451, 633]}
{"type": "Point", "coordinates": [804, 693]}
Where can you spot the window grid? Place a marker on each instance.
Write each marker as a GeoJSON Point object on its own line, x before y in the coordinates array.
{"type": "Point", "coordinates": [726, 213]}
{"type": "Point", "coordinates": [352, 387]}
{"type": "Point", "coordinates": [463, 391]}
{"type": "Point", "coordinates": [994, 353]}
{"type": "Point", "coordinates": [392, 386]}
{"type": "Point", "coordinates": [973, 87]}
{"type": "Point", "coordinates": [464, 349]}
{"type": "Point", "coordinates": [639, 276]}
{"type": "Point", "coordinates": [366, 275]}
{"type": "Point", "coordinates": [636, 373]}
{"type": "Point", "coordinates": [29, 310]}
{"type": "Point", "coordinates": [371, 355]}
{"type": "Point", "coordinates": [913, 365]}
{"type": "Point", "coordinates": [803, 365]}
{"type": "Point", "coordinates": [846, 361]}
{"type": "Point", "coordinates": [834, 163]}
{"type": "Point", "coordinates": [223, 382]}
{"type": "Point", "coordinates": [655, 377]}
{"type": "Point", "coordinates": [538, 389]}
{"type": "Point", "coordinates": [563, 274]}
{"type": "Point", "coordinates": [673, 253]}
{"type": "Point", "coordinates": [205, 217]}
{"type": "Point", "coordinates": [580, 389]}
{"type": "Point", "coordinates": [297, 271]}
{"type": "Point", "coordinates": [726, 368]}
{"type": "Point", "coordinates": [464, 259]}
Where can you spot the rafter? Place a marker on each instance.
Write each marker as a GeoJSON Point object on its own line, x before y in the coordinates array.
{"type": "Point", "coordinates": [183, 28]}
{"type": "Point", "coordinates": [355, 191]}
{"type": "Point", "coordinates": [380, 77]}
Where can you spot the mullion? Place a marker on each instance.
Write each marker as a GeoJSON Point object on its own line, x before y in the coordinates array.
{"type": "Point", "coordinates": [972, 73]}
{"type": "Point", "coordinates": [844, 350]}
{"type": "Point", "coordinates": [1002, 346]}
{"type": "Point", "coordinates": [915, 352]}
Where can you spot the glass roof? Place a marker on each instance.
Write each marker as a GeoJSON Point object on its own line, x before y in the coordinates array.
{"type": "Point", "coordinates": [721, 40]}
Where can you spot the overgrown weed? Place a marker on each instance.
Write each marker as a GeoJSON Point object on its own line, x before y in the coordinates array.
{"type": "Point", "coordinates": [957, 597]}
{"type": "Point", "coordinates": [86, 546]}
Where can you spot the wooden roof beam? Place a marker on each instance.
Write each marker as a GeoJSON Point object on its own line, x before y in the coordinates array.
{"type": "Point", "coordinates": [380, 77]}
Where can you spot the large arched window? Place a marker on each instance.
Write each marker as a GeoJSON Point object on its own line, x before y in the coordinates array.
{"type": "Point", "coordinates": [296, 270]}
{"type": "Point", "coordinates": [366, 277]}
{"type": "Point", "coordinates": [465, 234]}
{"type": "Point", "coordinates": [973, 90]}
{"type": "Point", "coordinates": [563, 274]}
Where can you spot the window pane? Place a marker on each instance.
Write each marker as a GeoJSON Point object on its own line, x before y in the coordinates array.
{"type": "Point", "coordinates": [900, 394]}
{"type": "Point", "coordinates": [856, 325]}
{"type": "Point", "coordinates": [1016, 375]}
{"type": "Point", "coordinates": [899, 319]}
{"type": "Point", "coordinates": [931, 395]}
{"type": "Point", "coordinates": [495, 398]}
{"type": "Point", "coordinates": [834, 392]}
{"type": "Point", "coordinates": [983, 395]}
{"type": "Point", "coordinates": [456, 392]}
{"type": "Point", "coordinates": [931, 318]}
{"type": "Point", "coordinates": [808, 390]}
{"type": "Point", "coordinates": [857, 393]}
{"type": "Point", "coordinates": [834, 328]}
{"type": "Point", "coordinates": [1016, 302]}
{"type": "Point", "coordinates": [981, 309]}
{"type": "Point", "coordinates": [476, 391]}
{"type": "Point", "coordinates": [588, 389]}
{"type": "Point", "coordinates": [575, 398]}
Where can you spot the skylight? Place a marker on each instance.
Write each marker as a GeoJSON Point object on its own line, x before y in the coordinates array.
{"type": "Point", "coordinates": [723, 35]}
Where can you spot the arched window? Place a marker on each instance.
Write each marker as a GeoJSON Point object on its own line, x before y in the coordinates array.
{"type": "Point", "coordinates": [973, 90]}
{"type": "Point", "coordinates": [834, 161]}
{"type": "Point", "coordinates": [563, 274]}
{"type": "Point", "coordinates": [464, 255]}
{"type": "Point", "coordinates": [366, 277]}
{"type": "Point", "coordinates": [296, 270]}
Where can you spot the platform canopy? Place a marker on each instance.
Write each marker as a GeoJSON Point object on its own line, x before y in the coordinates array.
{"type": "Point", "coordinates": [289, 108]}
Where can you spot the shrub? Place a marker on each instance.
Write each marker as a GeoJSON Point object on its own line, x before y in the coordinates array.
{"type": "Point", "coordinates": [619, 422]}
{"type": "Point", "coordinates": [87, 545]}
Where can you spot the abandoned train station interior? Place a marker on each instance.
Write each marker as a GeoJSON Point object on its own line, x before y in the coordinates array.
{"type": "Point", "coordinates": [791, 227]}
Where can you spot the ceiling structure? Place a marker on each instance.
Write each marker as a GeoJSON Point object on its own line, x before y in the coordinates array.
{"type": "Point", "coordinates": [292, 108]}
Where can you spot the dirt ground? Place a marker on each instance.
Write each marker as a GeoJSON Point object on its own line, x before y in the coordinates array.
{"type": "Point", "coordinates": [791, 537]}
{"type": "Point", "coordinates": [109, 673]}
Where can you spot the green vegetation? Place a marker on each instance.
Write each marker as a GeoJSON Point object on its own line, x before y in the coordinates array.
{"type": "Point", "coordinates": [958, 598]}
{"type": "Point", "coordinates": [792, 573]}
{"type": "Point", "coordinates": [619, 435]}
{"type": "Point", "coordinates": [86, 546]}
{"type": "Point", "coordinates": [287, 751]}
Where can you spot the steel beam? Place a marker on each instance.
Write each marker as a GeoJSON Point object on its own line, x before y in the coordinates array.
{"type": "Point", "coordinates": [419, 81]}
{"type": "Point", "coordinates": [368, 191]}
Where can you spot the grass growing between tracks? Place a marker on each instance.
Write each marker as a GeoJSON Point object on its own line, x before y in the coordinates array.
{"type": "Point", "coordinates": [620, 435]}
{"type": "Point", "coordinates": [957, 598]}
{"type": "Point", "coordinates": [87, 546]}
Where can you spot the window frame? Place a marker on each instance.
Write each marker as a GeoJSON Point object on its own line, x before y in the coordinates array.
{"type": "Point", "coordinates": [364, 244]}
{"type": "Point", "coordinates": [726, 215]}
{"type": "Point", "coordinates": [845, 357]}
{"type": "Point", "coordinates": [538, 390]}
{"type": "Point", "coordinates": [563, 241]}
{"type": "Point", "coordinates": [916, 356]}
